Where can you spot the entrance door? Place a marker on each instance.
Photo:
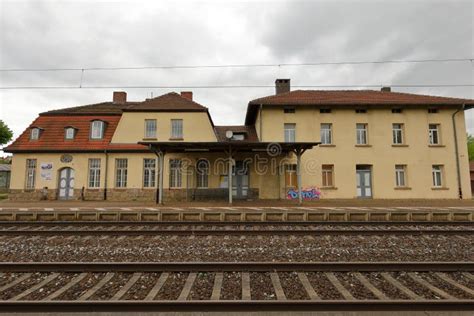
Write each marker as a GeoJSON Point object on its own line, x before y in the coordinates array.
{"type": "Point", "coordinates": [240, 180]}
{"type": "Point", "coordinates": [364, 182]}
{"type": "Point", "coordinates": [66, 184]}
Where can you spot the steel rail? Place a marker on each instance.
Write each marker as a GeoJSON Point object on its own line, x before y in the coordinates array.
{"type": "Point", "coordinates": [233, 305]}
{"type": "Point", "coordinates": [234, 266]}
{"type": "Point", "coordinates": [222, 232]}
{"type": "Point", "coordinates": [237, 223]}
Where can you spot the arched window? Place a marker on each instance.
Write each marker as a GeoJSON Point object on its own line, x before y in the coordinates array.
{"type": "Point", "coordinates": [97, 129]}
{"type": "Point", "coordinates": [69, 133]}
{"type": "Point", "coordinates": [202, 173]}
{"type": "Point", "coordinates": [35, 133]}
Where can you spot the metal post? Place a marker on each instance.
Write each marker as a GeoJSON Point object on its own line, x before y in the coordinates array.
{"type": "Point", "coordinates": [161, 171]}
{"type": "Point", "coordinates": [229, 177]}
{"type": "Point", "coordinates": [298, 176]}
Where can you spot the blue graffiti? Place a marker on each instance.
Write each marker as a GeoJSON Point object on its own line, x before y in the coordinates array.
{"type": "Point", "coordinates": [307, 194]}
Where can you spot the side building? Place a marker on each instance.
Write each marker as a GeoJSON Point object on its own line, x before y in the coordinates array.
{"type": "Point", "coordinates": [331, 144]}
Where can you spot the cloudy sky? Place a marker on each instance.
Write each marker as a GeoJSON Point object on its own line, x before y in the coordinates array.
{"type": "Point", "coordinates": [84, 34]}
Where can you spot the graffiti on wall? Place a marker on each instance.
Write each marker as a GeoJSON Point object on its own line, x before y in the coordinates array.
{"type": "Point", "coordinates": [307, 194]}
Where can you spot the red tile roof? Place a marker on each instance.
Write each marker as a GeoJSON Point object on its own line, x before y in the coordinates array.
{"type": "Point", "coordinates": [356, 97]}
{"type": "Point", "coordinates": [170, 102]}
{"type": "Point", "coordinates": [52, 135]}
{"type": "Point", "coordinates": [348, 98]}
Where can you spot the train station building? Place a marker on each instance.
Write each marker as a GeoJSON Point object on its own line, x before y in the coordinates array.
{"type": "Point", "coordinates": [300, 145]}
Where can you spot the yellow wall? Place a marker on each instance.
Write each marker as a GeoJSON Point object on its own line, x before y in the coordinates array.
{"type": "Point", "coordinates": [418, 156]}
{"type": "Point", "coordinates": [196, 127]}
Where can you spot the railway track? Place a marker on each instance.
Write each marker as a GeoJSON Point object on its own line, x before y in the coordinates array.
{"type": "Point", "coordinates": [209, 228]}
{"type": "Point", "coordinates": [107, 286]}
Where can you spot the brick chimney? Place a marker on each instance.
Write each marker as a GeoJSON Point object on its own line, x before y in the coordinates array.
{"type": "Point", "coordinates": [386, 89]}
{"type": "Point", "coordinates": [282, 86]}
{"type": "Point", "coordinates": [120, 97]}
{"type": "Point", "coordinates": [187, 94]}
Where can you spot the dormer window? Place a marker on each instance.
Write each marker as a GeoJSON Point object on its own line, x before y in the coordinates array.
{"type": "Point", "coordinates": [97, 129]}
{"type": "Point", "coordinates": [35, 133]}
{"type": "Point", "coordinates": [69, 133]}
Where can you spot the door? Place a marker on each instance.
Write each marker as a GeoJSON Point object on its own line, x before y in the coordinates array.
{"type": "Point", "coordinates": [66, 184]}
{"type": "Point", "coordinates": [364, 183]}
{"type": "Point", "coordinates": [240, 180]}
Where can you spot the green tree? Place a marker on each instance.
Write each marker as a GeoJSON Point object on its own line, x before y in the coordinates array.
{"type": "Point", "coordinates": [470, 146]}
{"type": "Point", "coordinates": [6, 134]}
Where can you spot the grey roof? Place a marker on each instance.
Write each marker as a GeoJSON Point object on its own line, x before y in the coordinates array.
{"type": "Point", "coordinates": [5, 167]}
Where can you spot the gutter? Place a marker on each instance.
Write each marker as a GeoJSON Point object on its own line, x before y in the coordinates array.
{"type": "Point", "coordinates": [456, 150]}
{"type": "Point", "coordinates": [106, 168]}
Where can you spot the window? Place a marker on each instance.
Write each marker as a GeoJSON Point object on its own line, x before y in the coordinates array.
{"type": "Point", "coordinates": [150, 128]}
{"type": "Point", "coordinates": [328, 175]}
{"type": "Point", "coordinates": [326, 134]}
{"type": "Point", "coordinates": [202, 173]}
{"type": "Point", "coordinates": [238, 136]}
{"type": "Point", "coordinates": [290, 131]}
{"type": "Point", "coordinates": [289, 109]}
{"type": "Point", "coordinates": [361, 134]}
{"type": "Point", "coordinates": [397, 134]}
{"type": "Point", "coordinates": [94, 173]}
{"type": "Point", "coordinates": [400, 175]}
{"type": "Point", "coordinates": [359, 111]}
{"type": "Point", "coordinates": [324, 110]}
{"type": "Point", "coordinates": [69, 133]}
{"type": "Point", "coordinates": [35, 133]}
{"type": "Point", "coordinates": [30, 173]}
{"type": "Point", "coordinates": [432, 111]}
{"type": "Point", "coordinates": [434, 134]}
{"type": "Point", "coordinates": [175, 173]}
{"type": "Point", "coordinates": [149, 173]}
{"type": "Point", "coordinates": [396, 111]}
{"type": "Point", "coordinates": [121, 173]}
{"type": "Point", "coordinates": [437, 172]}
{"type": "Point", "coordinates": [97, 129]}
{"type": "Point", "coordinates": [177, 129]}
{"type": "Point", "coordinates": [291, 180]}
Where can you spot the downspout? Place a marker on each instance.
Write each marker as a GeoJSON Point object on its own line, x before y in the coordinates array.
{"type": "Point", "coordinates": [456, 149]}
{"type": "Point", "coordinates": [106, 168]}
{"type": "Point", "coordinates": [260, 118]}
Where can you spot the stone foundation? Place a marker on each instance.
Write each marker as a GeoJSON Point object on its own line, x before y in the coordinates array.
{"type": "Point", "coordinates": [131, 195]}
{"type": "Point", "coordinates": [145, 195]}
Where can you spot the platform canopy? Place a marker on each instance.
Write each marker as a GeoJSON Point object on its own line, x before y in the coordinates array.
{"type": "Point", "coordinates": [229, 148]}
{"type": "Point", "coordinates": [240, 146]}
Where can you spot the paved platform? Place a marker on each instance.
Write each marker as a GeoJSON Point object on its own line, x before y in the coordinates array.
{"type": "Point", "coordinates": [238, 213]}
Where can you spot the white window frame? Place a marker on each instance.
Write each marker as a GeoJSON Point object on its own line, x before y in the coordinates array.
{"type": "Point", "coordinates": [400, 176]}
{"type": "Point", "coordinates": [397, 134]}
{"type": "Point", "coordinates": [94, 173]}
{"type": "Point", "coordinates": [97, 129]}
{"type": "Point", "coordinates": [149, 172]}
{"type": "Point", "coordinates": [326, 133]}
{"type": "Point", "coordinates": [290, 132]}
{"type": "Point", "coordinates": [202, 173]}
{"type": "Point", "coordinates": [434, 134]}
{"type": "Point", "coordinates": [362, 134]}
{"type": "Point", "coordinates": [150, 128]}
{"type": "Point", "coordinates": [176, 128]}
{"type": "Point", "coordinates": [175, 173]}
{"type": "Point", "coordinates": [35, 133]}
{"type": "Point", "coordinates": [69, 133]}
{"type": "Point", "coordinates": [121, 172]}
{"type": "Point", "coordinates": [30, 174]}
{"type": "Point", "coordinates": [437, 174]}
{"type": "Point", "coordinates": [327, 174]}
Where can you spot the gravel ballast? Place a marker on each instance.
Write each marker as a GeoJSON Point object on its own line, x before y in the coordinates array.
{"type": "Point", "coordinates": [234, 248]}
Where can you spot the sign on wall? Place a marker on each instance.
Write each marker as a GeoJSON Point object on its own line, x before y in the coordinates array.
{"type": "Point", "coordinates": [46, 172]}
{"type": "Point", "coordinates": [307, 194]}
